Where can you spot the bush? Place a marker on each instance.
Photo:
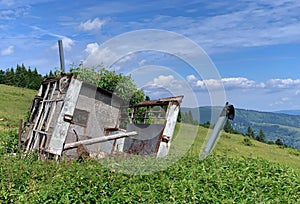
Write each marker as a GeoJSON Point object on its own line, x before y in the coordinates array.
{"type": "Point", "coordinates": [247, 141]}
{"type": "Point", "coordinates": [9, 141]}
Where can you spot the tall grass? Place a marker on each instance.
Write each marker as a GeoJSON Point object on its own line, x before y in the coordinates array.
{"type": "Point", "coordinates": [218, 179]}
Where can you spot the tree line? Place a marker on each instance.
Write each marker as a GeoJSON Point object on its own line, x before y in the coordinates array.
{"type": "Point", "coordinates": [21, 77]}
{"type": "Point", "coordinates": [261, 137]}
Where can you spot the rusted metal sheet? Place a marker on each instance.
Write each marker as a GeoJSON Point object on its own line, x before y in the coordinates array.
{"type": "Point", "coordinates": [160, 113]}
{"type": "Point", "coordinates": [146, 140]}
{"type": "Point", "coordinates": [160, 102]}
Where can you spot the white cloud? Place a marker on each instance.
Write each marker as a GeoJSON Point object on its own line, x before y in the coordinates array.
{"type": "Point", "coordinates": [280, 101]}
{"type": "Point", "coordinates": [68, 43]}
{"type": "Point", "coordinates": [163, 84]}
{"type": "Point", "coordinates": [7, 51]}
{"type": "Point", "coordinates": [89, 25]}
{"type": "Point", "coordinates": [241, 82]}
{"type": "Point", "coordinates": [163, 81]}
{"type": "Point", "coordinates": [191, 78]}
{"type": "Point", "coordinates": [97, 56]}
{"type": "Point", "coordinates": [273, 85]}
{"type": "Point", "coordinates": [142, 62]}
{"type": "Point", "coordinates": [228, 83]}
{"type": "Point", "coordinates": [283, 83]}
{"type": "Point", "coordinates": [285, 99]}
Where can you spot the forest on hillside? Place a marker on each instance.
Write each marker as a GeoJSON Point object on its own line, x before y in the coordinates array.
{"type": "Point", "coordinates": [21, 77]}
{"type": "Point", "coordinates": [274, 125]}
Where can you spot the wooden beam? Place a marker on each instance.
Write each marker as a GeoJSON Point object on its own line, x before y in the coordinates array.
{"type": "Point", "coordinates": [99, 139]}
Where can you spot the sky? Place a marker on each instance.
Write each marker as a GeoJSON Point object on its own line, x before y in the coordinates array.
{"type": "Point", "coordinates": [249, 49]}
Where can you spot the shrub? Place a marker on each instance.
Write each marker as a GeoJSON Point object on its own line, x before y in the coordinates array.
{"type": "Point", "coordinates": [9, 141]}
{"type": "Point", "coordinates": [247, 141]}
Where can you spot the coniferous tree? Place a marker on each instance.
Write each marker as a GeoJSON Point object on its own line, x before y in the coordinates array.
{"type": "Point", "coordinates": [228, 127]}
{"type": "Point", "coordinates": [2, 77]}
{"type": "Point", "coordinates": [21, 77]}
{"type": "Point", "coordinates": [10, 77]}
{"type": "Point", "coordinates": [279, 142]}
{"type": "Point", "coordinates": [261, 136]}
{"type": "Point", "coordinates": [250, 132]}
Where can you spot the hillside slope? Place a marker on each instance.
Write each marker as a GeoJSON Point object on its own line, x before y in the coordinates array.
{"type": "Point", "coordinates": [234, 173]}
{"type": "Point", "coordinates": [234, 146]}
{"type": "Point", "coordinates": [275, 125]}
{"type": "Point", "coordinates": [14, 105]}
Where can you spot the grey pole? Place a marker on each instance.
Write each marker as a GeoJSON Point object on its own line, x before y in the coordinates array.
{"type": "Point", "coordinates": [61, 56]}
{"type": "Point", "coordinates": [227, 113]}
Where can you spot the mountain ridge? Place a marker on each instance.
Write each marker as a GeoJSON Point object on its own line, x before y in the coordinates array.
{"type": "Point", "coordinates": [275, 125]}
{"type": "Point", "coordinates": [288, 112]}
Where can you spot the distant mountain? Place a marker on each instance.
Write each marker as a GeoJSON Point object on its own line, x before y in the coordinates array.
{"type": "Point", "coordinates": [289, 112]}
{"type": "Point", "coordinates": [275, 125]}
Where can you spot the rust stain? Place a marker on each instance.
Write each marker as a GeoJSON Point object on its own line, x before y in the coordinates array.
{"type": "Point", "coordinates": [160, 102]}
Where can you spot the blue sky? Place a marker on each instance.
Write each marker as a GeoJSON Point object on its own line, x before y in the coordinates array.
{"type": "Point", "coordinates": [254, 45]}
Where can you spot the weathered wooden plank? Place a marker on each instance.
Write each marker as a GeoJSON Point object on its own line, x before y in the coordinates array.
{"type": "Point", "coordinates": [61, 129]}
{"type": "Point", "coordinates": [171, 119]}
{"type": "Point", "coordinates": [99, 139]}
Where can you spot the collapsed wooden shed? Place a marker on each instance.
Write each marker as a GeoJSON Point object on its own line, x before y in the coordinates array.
{"type": "Point", "coordinates": [68, 113]}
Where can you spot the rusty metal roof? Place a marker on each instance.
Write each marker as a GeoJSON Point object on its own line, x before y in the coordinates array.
{"type": "Point", "coordinates": [159, 102]}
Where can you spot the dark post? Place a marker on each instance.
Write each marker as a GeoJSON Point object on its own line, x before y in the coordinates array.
{"type": "Point", "coordinates": [20, 133]}
{"type": "Point", "coordinates": [61, 56]}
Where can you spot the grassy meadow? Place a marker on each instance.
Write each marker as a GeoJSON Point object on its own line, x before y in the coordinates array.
{"type": "Point", "coordinates": [236, 172]}
{"type": "Point", "coordinates": [14, 104]}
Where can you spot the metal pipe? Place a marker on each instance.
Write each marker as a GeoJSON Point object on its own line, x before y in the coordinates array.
{"type": "Point", "coordinates": [61, 56]}
{"type": "Point", "coordinates": [99, 139]}
{"type": "Point", "coordinates": [213, 137]}
{"type": "Point", "coordinates": [212, 140]}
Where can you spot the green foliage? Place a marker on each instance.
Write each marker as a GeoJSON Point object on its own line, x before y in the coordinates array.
{"type": "Point", "coordinates": [215, 180]}
{"type": "Point", "coordinates": [279, 142]}
{"type": "Point", "coordinates": [228, 127]}
{"type": "Point", "coordinates": [261, 136]}
{"type": "Point", "coordinates": [187, 117]}
{"type": "Point", "coordinates": [247, 141]}
{"type": "Point", "coordinates": [250, 132]}
{"type": "Point", "coordinates": [206, 124]}
{"type": "Point", "coordinates": [9, 141]}
{"type": "Point", "coordinates": [121, 85]}
{"type": "Point", "coordinates": [21, 77]}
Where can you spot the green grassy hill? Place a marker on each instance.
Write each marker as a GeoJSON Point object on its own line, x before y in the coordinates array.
{"type": "Point", "coordinates": [234, 173]}
{"type": "Point", "coordinates": [14, 104]}
{"type": "Point", "coordinates": [275, 125]}
{"type": "Point", "coordinates": [234, 146]}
